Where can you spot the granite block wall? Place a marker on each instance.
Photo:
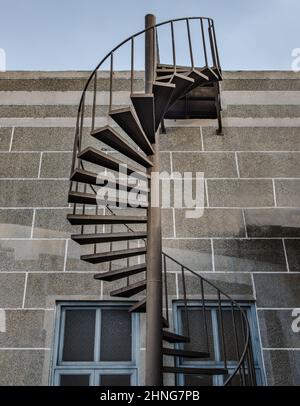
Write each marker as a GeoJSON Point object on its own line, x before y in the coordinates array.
{"type": "Point", "coordinates": [247, 240]}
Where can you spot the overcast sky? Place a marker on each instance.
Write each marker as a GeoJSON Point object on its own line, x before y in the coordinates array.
{"type": "Point", "coordinates": [75, 34]}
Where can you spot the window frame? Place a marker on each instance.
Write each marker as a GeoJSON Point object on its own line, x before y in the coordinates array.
{"type": "Point", "coordinates": [96, 367]}
{"type": "Point", "coordinates": [249, 307]}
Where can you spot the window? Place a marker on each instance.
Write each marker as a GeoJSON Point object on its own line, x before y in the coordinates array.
{"type": "Point", "coordinates": [198, 342]}
{"type": "Point", "coordinates": [96, 345]}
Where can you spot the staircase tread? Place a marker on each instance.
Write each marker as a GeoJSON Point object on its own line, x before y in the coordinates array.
{"type": "Point", "coordinates": [98, 157]}
{"type": "Point", "coordinates": [91, 198]}
{"type": "Point", "coordinates": [185, 353]}
{"type": "Point", "coordinates": [133, 129]}
{"type": "Point", "coordinates": [143, 104]}
{"type": "Point", "coordinates": [138, 307]}
{"type": "Point", "coordinates": [130, 290]}
{"type": "Point", "coordinates": [104, 219]}
{"type": "Point", "coordinates": [106, 237]}
{"type": "Point", "coordinates": [120, 273]}
{"type": "Point", "coordinates": [93, 178]}
{"type": "Point", "coordinates": [196, 371]}
{"type": "Point", "coordinates": [172, 337]}
{"type": "Point", "coordinates": [111, 138]}
{"type": "Point", "coordinates": [111, 255]}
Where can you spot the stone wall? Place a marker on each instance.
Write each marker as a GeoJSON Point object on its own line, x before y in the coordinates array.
{"type": "Point", "coordinates": [247, 241]}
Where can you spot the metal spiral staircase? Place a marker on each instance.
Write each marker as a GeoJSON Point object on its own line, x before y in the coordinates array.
{"type": "Point", "coordinates": [123, 234]}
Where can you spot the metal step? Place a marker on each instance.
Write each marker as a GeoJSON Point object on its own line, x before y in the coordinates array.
{"type": "Point", "coordinates": [162, 96]}
{"type": "Point", "coordinates": [144, 107]}
{"type": "Point", "coordinates": [84, 239]}
{"type": "Point", "coordinates": [97, 157]}
{"type": "Point", "coordinates": [199, 78]}
{"type": "Point", "coordinates": [85, 219]}
{"type": "Point", "coordinates": [213, 77]}
{"type": "Point", "coordinates": [185, 353]}
{"type": "Point", "coordinates": [91, 198]}
{"type": "Point", "coordinates": [112, 255]}
{"type": "Point", "coordinates": [195, 371]}
{"type": "Point", "coordinates": [120, 273]}
{"type": "Point", "coordinates": [111, 138]}
{"type": "Point", "coordinates": [171, 337]}
{"type": "Point", "coordinates": [129, 122]}
{"type": "Point", "coordinates": [182, 85]}
{"type": "Point", "coordinates": [100, 179]}
{"type": "Point", "coordinates": [139, 307]}
{"type": "Point", "coordinates": [130, 290]}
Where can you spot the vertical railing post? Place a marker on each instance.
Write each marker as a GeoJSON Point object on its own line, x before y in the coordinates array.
{"type": "Point", "coordinates": [154, 326]}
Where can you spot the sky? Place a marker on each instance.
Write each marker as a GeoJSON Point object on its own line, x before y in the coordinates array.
{"type": "Point", "coordinates": [76, 34]}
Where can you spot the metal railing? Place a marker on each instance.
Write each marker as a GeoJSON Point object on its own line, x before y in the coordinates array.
{"type": "Point", "coordinates": [237, 332]}
{"type": "Point", "coordinates": [206, 40]}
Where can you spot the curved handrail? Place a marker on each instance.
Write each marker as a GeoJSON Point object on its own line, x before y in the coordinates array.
{"type": "Point", "coordinates": [247, 346]}
{"type": "Point", "coordinates": [80, 115]}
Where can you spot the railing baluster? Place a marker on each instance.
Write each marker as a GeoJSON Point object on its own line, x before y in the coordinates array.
{"type": "Point", "coordinates": [185, 301]}
{"type": "Point", "coordinates": [110, 245]}
{"type": "Point", "coordinates": [222, 328]}
{"type": "Point", "coordinates": [190, 42]}
{"type": "Point", "coordinates": [157, 47]}
{"type": "Point", "coordinates": [94, 101]}
{"type": "Point", "coordinates": [203, 42]}
{"type": "Point", "coordinates": [96, 229]}
{"type": "Point", "coordinates": [166, 286]}
{"type": "Point", "coordinates": [132, 65]}
{"type": "Point", "coordinates": [204, 314]}
{"type": "Point", "coordinates": [111, 80]}
{"type": "Point", "coordinates": [83, 208]}
{"type": "Point", "coordinates": [237, 351]}
{"type": "Point", "coordinates": [173, 45]}
{"type": "Point", "coordinates": [81, 128]}
{"type": "Point", "coordinates": [216, 45]}
{"type": "Point", "coordinates": [212, 48]}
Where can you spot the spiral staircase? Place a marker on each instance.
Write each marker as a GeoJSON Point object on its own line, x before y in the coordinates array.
{"type": "Point", "coordinates": [122, 231]}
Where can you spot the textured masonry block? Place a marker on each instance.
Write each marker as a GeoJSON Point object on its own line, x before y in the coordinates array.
{"type": "Point", "coordinates": [167, 223]}
{"type": "Point", "coordinates": [11, 289]}
{"type": "Point", "coordinates": [5, 137]}
{"type": "Point", "coordinates": [240, 193]}
{"type": "Point", "coordinates": [277, 290]}
{"type": "Point", "coordinates": [293, 254]}
{"type": "Point", "coordinates": [276, 330]}
{"type": "Point", "coordinates": [24, 367]}
{"type": "Point", "coordinates": [252, 139]}
{"type": "Point", "coordinates": [56, 165]}
{"type": "Point", "coordinates": [269, 165]}
{"type": "Point", "coordinates": [261, 111]}
{"type": "Point", "coordinates": [260, 84]}
{"type": "Point", "coordinates": [27, 329]}
{"type": "Point", "coordinates": [15, 165]}
{"type": "Point", "coordinates": [214, 165]}
{"type": "Point", "coordinates": [288, 192]}
{"type": "Point", "coordinates": [32, 255]}
{"type": "Point", "coordinates": [195, 254]}
{"type": "Point", "coordinates": [44, 289]}
{"type": "Point", "coordinates": [236, 285]}
{"type": "Point", "coordinates": [249, 255]}
{"type": "Point", "coordinates": [15, 223]}
{"type": "Point", "coordinates": [181, 139]}
{"type": "Point", "coordinates": [53, 223]}
{"type": "Point", "coordinates": [66, 84]}
{"type": "Point", "coordinates": [282, 368]}
{"type": "Point", "coordinates": [44, 111]}
{"type": "Point", "coordinates": [273, 222]}
{"type": "Point", "coordinates": [34, 193]}
{"type": "Point", "coordinates": [213, 223]}
{"type": "Point", "coordinates": [43, 139]}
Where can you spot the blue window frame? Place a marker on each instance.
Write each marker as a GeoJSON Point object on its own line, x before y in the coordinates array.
{"type": "Point", "coordinates": [96, 344]}
{"type": "Point", "coordinates": [199, 343]}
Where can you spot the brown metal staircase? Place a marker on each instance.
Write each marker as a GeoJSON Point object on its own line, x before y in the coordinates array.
{"type": "Point", "coordinates": [120, 229]}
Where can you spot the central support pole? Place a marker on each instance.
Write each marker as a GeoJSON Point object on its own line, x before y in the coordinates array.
{"type": "Point", "coordinates": [154, 375]}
